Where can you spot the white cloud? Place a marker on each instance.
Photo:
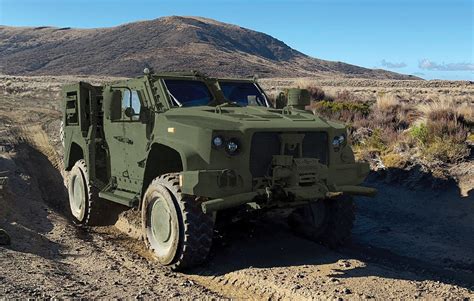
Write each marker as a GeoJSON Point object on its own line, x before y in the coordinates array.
{"type": "Point", "coordinates": [392, 65]}
{"type": "Point", "coordinates": [426, 64]}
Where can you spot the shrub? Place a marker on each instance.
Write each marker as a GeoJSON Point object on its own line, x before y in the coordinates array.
{"type": "Point", "coordinates": [446, 123]}
{"type": "Point", "coordinates": [419, 133]}
{"type": "Point", "coordinates": [470, 138]}
{"type": "Point", "coordinates": [467, 113]}
{"type": "Point", "coordinates": [386, 101]}
{"type": "Point", "coordinates": [394, 160]}
{"type": "Point", "coordinates": [343, 111]}
{"type": "Point", "coordinates": [346, 97]}
{"type": "Point", "coordinates": [316, 93]}
{"type": "Point", "coordinates": [375, 142]}
{"type": "Point", "coordinates": [445, 150]}
{"type": "Point", "coordinates": [438, 128]}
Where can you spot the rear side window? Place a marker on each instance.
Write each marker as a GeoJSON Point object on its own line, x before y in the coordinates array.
{"type": "Point", "coordinates": [188, 93]}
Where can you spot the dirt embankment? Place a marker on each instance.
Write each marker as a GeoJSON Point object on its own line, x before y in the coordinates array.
{"type": "Point", "coordinates": [408, 242]}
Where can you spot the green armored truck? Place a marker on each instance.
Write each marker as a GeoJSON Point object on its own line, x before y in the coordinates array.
{"type": "Point", "coordinates": [184, 148]}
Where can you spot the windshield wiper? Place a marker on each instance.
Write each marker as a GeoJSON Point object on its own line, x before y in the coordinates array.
{"type": "Point", "coordinates": [218, 108]}
{"type": "Point", "coordinates": [174, 99]}
{"type": "Point", "coordinates": [229, 103]}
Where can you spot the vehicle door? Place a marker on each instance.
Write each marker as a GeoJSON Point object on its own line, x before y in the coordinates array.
{"type": "Point", "coordinates": [126, 137]}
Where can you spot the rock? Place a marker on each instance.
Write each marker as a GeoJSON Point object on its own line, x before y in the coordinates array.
{"type": "Point", "coordinates": [344, 263]}
{"type": "Point", "coordinates": [4, 238]}
{"type": "Point", "coordinates": [296, 287]}
{"type": "Point", "coordinates": [187, 283]}
{"type": "Point", "coordinates": [300, 275]}
{"type": "Point", "coordinates": [347, 291]}
{"type": "Point", "coordinates": [175, 294]}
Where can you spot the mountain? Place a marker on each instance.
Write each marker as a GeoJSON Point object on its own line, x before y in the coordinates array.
{"type": "Point", "coordinates": [168, 43]}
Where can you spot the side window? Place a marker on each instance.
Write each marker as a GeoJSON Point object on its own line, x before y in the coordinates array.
{"type": "Point", "coordinates": [131, 105]}
{"type": "Point", "coordinates": [71, 108]}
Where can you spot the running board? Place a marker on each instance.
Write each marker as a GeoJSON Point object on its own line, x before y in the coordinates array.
{"type": "Point", "coordinates": [122, 197]}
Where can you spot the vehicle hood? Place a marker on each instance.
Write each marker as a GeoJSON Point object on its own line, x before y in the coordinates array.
{"type": "Point", "coordinates": [244, 118]}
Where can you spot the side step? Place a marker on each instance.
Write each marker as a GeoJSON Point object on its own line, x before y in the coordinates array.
{"type": "Point", "coordinates": [128, 199]}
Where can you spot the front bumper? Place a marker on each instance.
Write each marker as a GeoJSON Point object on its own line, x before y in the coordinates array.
{"type": "Point", "coordinates": [225, 189]}
{"type": "Point", "coordinates": [303, 195]}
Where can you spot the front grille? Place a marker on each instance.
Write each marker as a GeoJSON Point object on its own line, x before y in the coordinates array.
{"type": "Point", "coordinates": [267, 144]}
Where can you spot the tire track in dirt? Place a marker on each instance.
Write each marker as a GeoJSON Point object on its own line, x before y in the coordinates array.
{"type": "Point", "coordinates": [313, 273]}
{"type": "Point", "coordinates": [37, 138]}
{"type": "Point", "coordinates": [233, 285]}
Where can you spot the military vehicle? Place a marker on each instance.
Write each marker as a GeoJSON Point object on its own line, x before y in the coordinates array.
{"type": "Point", "coordinates": [184, 147]}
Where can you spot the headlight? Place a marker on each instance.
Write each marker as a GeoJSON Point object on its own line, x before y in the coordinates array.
{"type": "Point", "coordinates": [232, 146]}
{"type": "Point", "coordinates": [338, 141]}
{"type": "Point", "coordinates": [217, 141]}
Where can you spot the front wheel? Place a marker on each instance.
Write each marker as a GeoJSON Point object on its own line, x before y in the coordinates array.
{"type": "Point", "coordinates": [327, 221]}
{"type": "Point", "coordinates": [174, 227]}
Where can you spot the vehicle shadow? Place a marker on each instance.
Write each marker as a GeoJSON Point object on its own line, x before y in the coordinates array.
{"type": "Point", "coordinates": [420, 216]}
{"type": "Point", "coordinates": [405, 232]}
{"type": "Point", "coordinates": [268, 243]}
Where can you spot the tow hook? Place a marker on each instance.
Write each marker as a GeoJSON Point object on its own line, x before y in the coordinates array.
{"type": "Point", "coordinates": [332, 195]}
{"type": "Point", "coordinates": [269, 193]}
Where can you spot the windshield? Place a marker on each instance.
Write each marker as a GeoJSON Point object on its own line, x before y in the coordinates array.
{"type": "Point", "coordinates": [243, 93]}
{"type": "Point", "coordinates": [188, 93]}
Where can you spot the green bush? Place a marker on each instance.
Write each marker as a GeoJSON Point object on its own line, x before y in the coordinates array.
{"type": "Point", "coordinates": [333, 107]}
{"type": "Point", "coordinates": [375, 142]}
{"type": "Point", "coordinates": [420, 133]}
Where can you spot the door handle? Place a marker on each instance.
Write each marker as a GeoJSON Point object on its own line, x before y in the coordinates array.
{"type": "Point", "coordinates": [124, 139]}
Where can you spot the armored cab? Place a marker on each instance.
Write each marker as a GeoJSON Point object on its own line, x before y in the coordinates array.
{"type": "Point", "coordinates": [184, 147]}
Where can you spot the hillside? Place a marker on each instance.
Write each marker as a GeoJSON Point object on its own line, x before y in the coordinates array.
{"type": "Point", "coordinates": [169, 43]}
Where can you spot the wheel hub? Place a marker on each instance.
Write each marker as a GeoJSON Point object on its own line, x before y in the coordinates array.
{"type": "Point", "coordinates": [77, 199]}
{"type": "Point", "coordinates": [161, 221]}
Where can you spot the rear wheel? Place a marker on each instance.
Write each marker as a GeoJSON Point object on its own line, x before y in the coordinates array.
{"type": "Point", "coordinates": [327, 221]}
{"type": "Point", "coordinates": [87, 209]}
{"type": "Point", "coordinates": [174, 227]}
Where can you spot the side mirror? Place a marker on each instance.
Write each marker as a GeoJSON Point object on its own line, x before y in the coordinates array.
{"type": "Point", "coordinates": [129, 112]}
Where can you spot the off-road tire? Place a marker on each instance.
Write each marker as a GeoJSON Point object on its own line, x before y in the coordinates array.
{"type": "Point", "coordinates": [195, 228]}
{"type": "Point", "coordinates": [336, 228]}
{"type": "Point", "coordinates": [96, 210]}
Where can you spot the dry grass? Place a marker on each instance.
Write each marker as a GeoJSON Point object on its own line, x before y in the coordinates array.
{"type": "Point", "coordinates": [435, 130]}
{"type": "Point", "coordinates": [386, 101]}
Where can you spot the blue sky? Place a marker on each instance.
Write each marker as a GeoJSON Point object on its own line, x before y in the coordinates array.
{"type": "Point", "coordinates": [428, 38]}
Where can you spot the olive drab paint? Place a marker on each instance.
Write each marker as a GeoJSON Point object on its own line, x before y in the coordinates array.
{"type": "Point", "coordinates": [131, 131]}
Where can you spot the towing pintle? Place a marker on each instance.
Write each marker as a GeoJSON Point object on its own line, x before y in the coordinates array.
{"type": "Point", "coordinates": [356, 190]}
